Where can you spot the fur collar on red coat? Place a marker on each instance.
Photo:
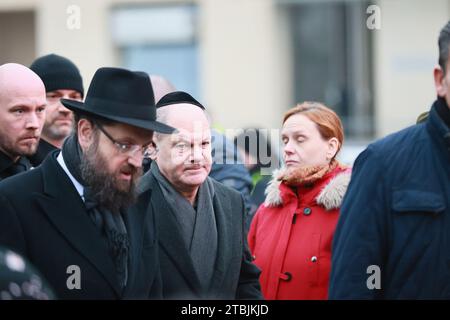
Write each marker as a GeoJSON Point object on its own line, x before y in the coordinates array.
{"type": "Point", "coordinates": [330, 197]}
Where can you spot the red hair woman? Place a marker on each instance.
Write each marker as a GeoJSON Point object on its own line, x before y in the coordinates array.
{"type": "Point", "coordinates": [291, 234]}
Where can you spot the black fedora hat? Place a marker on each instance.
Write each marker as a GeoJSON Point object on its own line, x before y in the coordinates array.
{"type": "Point", "coordinates": [123, 96]}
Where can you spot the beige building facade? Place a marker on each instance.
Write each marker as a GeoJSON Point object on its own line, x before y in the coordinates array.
{"type": "Point", "coordinates": [245, 52]}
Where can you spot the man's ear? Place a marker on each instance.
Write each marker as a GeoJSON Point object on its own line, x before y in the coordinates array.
{"type": "Point", "coordinates": [439, 81]}
{"type": "Point", "coordinates": [152, 150]}
{"type": "Point", "coordinates": [85, 133]}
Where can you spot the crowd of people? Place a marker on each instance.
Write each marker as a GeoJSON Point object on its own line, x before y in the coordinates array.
{"type": "Point", "coordinates": [127, 192]}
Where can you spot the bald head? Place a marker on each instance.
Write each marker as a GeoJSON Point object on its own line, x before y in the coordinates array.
{"type": "Point", "coordinates": [22, 110]}
{"type": "Point", "coordinates": [161, 86]}
{"type": "Point", "coordinates": [183, 116]}
{"type": "Point", "coordinates": [16, 79]}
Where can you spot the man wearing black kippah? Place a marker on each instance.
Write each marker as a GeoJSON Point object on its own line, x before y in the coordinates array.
{"type": "Point", "coordinates": [227, 166]}
{"type": "Point", "coordinates": [203, 247]}
{"type": "Point", "coordinates": [62, 80]}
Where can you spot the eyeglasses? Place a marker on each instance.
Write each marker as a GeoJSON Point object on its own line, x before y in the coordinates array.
{"type": "Point", "coordinates": [126, 148]}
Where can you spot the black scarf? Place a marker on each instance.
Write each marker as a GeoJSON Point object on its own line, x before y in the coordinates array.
{"type": "Point", "coordinates": [110, 225]}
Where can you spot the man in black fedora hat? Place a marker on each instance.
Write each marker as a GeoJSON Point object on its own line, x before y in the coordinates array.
{"type": "Point", "coordinates": [77, 217]}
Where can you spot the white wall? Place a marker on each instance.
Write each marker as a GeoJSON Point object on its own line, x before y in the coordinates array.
{"type": "Point", "coordinates": [405, 52]}
{"type": "Point", "coordinates": [246, 69]}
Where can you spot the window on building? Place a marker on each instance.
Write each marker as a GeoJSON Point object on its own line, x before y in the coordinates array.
{"type": "Point", "coordinates": [166, 46]}
{"type": "Point", "coordinates": [333, 60]}
{"type": "Point", "coordinates": [18, 37]}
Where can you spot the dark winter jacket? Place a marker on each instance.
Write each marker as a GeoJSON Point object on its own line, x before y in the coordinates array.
{"type": "Point", "coordinates": [396, 217]}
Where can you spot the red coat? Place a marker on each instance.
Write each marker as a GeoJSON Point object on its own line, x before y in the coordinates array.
{"type": "Point", "coordinates": [290, 236]}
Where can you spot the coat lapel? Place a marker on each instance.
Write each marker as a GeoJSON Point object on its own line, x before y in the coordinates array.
{"type": "Point", "coordinates": [223, 211]}
{"type": "Point", "coordinates": [170, 237]}
{"type": "Point", "coordinates": [65, 209]}
{"type": "Point", "coordinates": [134, 221]}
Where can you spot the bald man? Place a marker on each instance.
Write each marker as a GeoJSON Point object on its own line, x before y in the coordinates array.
{"type": "Point", "coordinates": [225, 168]}
{"type": "Point", "coordinates": [22, 116]}
{"type": "Point", "coordinates": [203, 247]}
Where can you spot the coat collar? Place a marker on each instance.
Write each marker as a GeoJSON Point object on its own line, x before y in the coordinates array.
{"type": "Point", "coordinates": [65, 209]}
{"type": "Point", "coordinates": [438, 128]}
{"type": "Point", "coordinates": [330, 196]}
{"type": "Point", "coordinates": [6, 162]}
{"type": "Point", "coordinates": [172, 243]}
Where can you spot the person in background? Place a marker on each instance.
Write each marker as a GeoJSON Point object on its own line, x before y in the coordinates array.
{"type": "Point", "coordinates": [161, 86]}
{"type": "Point", "coordinates": [228, 168]}
{"type": "Point", "coordinates": [260, 161]}
{"type": "Point", "coordinates": [291, 234]}
{"type": "Point", "coordinates": [62, 80]}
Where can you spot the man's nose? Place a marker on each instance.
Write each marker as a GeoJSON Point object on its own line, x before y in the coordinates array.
{"type": "Point", "coordinates": [136, 159]}
{"type": "Point", "coordinates": [196, 154]}
{"type": "Point", "coordinates": [62, 109]}
{"type": "Point", "coordinates": [33, 121]}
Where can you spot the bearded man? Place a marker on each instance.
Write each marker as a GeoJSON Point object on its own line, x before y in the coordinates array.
{"type": "Point", "coordinates": [77, 217]}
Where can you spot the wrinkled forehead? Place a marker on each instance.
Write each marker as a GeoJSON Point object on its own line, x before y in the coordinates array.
{"type": "Point", "coordinates": [186, 116]}
{"type": "Point", "coordinates": [198, 134]}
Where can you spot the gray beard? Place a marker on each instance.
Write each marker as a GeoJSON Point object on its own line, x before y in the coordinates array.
{"type": "Point", "coordinates": [54, 133]}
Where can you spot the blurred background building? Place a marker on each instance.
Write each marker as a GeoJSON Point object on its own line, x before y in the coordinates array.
{"type": "Point", "coordinates": [250, 60]}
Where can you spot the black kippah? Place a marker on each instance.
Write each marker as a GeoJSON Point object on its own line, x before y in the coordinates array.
{"type": "Point", "coordinates": [178, 97]}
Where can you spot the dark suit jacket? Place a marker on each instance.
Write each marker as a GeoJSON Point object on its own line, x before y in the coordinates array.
{"type": "Point", "coordinates": [43, 218]}
{"type": "Point", "coordinates": [235, 276]}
